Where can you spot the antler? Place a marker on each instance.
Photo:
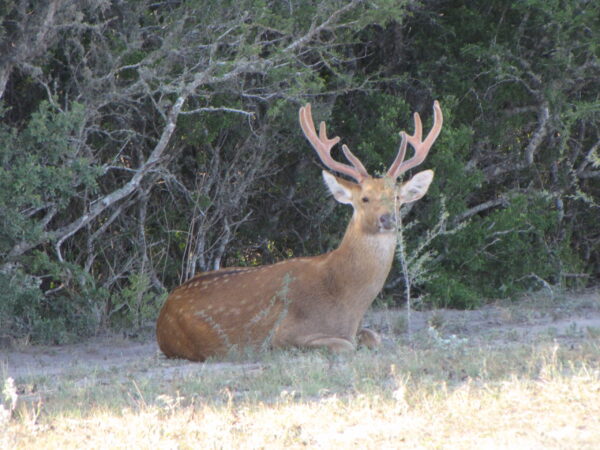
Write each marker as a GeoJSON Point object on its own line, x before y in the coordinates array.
{"type": "Point", "coordinates": [323, 145]}
{"type": "Point", "coordinates": [421, 147]}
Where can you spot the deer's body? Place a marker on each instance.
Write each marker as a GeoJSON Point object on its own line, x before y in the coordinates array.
{"type": "Point", "coordinates": [304, 302]}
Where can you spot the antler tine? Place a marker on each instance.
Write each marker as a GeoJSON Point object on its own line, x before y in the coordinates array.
{"type": "Point", "coordinates": [355, 161]}
{"type": "Point", "coordinates": [399, 157]}
{"type": "Point", "coordinates": [421, 147]}
{"type": "Point", "coordinates": [323, 145]}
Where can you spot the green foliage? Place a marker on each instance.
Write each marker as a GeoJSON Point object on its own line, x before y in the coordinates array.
{"type": "Point", "coordinates": [40, 174]}
{"type": "Point", "coordinates": [496, 68]}
{"type": "Point", "coordinates": [19, 295]}
{"type": "Point", "coordinates": [137, 306]}
{"type": "Point", "coordinates": [371, 124]}
{"type": "Point", "coordinates": [27, 312]}
{"type": "Point", "coordinates": [498, 255]}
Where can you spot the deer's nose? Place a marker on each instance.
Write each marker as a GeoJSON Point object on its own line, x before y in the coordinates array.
{"type": "Point", "coordinates": [386, 221]}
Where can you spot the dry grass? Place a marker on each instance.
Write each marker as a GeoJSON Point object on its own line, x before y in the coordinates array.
{"type": "Point", "coordinates": [467, 391]}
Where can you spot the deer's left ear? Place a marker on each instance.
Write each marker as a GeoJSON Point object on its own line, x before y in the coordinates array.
{"type": "Point", "coordinates": [416, 187]}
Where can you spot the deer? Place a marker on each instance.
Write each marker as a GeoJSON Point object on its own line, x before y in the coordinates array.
{"type": "Point", "coordinates": [305, 302]}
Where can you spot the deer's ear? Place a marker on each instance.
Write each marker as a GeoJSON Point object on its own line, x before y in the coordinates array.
{"type": "Point", "coordinates": [416, 187]}
{"type": "Point", "coordinates": [340, 189]}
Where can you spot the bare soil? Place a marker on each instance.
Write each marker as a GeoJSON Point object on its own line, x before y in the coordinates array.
{"type": "Point", "coordinates": [565, 318]}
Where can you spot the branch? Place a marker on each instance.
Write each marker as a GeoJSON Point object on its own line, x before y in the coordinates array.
{"type": "Point", "coordinates": [219, 109]}
{"type": "Point", "coordinates": [132, 185]}
{"type": "Point", "coordinates": [314, 30]}
{"type": "Point", "coordinates": [589, 159]}
{"type": "Point", "coordinates": [589, 174]}
{"type": "Point", "coordinates": [538, 136]}
{"type": "Point", "coordinates": [100, 205]}
{"type": "Point", "coordinates": [479, 208]}
{"type": "Point", "coordinates": [96, 234]}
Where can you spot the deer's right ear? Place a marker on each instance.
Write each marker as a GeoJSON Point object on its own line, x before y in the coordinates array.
{"type": "Point", "coordinates": [340, 189]}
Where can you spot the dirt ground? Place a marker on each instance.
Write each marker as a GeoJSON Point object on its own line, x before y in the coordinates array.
{"type": "Point", "coordinates": [564, 317]}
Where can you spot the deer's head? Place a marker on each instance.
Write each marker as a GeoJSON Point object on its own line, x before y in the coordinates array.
{"type": "Point", "coordinates": [376, 201]}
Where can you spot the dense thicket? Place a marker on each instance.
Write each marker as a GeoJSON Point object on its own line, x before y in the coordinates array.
{"type": "Point", "coordinates": [143, 141]}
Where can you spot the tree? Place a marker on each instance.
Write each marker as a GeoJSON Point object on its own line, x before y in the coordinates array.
{"type": "Point", "coordinates": [169, 103]}
{"type": "Point", "coordinates": [517, 162]}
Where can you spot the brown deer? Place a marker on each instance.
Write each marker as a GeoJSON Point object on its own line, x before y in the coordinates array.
{"type": "Point", "coordinates": [304, 302]}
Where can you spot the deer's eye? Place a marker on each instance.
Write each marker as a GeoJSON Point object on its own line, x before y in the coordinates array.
{"type": "Point", "coordinates": [365, 199]}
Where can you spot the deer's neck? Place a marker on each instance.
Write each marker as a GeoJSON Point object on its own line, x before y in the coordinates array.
{"type": "Point", "coordinates": [364, 258]}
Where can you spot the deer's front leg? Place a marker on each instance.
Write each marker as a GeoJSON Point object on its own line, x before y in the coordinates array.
{"type": "Point", "coordinates": [334, 344]}
{"type": "Point", "coordinates": [368, 338]}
